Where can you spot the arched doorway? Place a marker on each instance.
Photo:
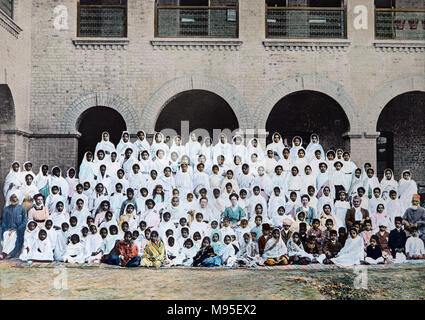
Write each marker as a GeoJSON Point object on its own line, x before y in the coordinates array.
{"type": "Point", "coordinates": [7, 141]}
{"type": "Point", "coordinates": [202, 109]}
{"type": "Point", "coordinates": [305, 112]}
{"type": "Point", "coordinates": [401, 142]}
{"type": "Point", "coordinates": [93, 122]}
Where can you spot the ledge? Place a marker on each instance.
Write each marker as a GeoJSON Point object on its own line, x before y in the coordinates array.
{"type": "Point", "coordinates": [196, 44]}
{"type": "Point", "coordinates": [101, 43]}
{"type": "Point", "coordinates": [399, 46]}
{"type": "Point", "coordinates": [7, 23]}
{"type": "Point", "coordinates": [352, 135]}
{"type": "Point", "coordinates": [323, 45]}
{"type": "Point", "coordinates": [40, 135]}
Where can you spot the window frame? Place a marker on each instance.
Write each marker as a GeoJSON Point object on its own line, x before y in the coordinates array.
{"type": "Point", "coordinates": [125, 33]}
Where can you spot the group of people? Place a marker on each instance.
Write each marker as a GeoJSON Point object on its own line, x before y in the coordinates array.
{"type": "Point", "coordinates": [229, 204]}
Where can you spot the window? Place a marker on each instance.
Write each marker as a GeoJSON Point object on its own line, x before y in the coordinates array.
{"type": "Point", "coordinates": [196, 18]}
{"type": "Point", "coordinates": [199, 3]}
{"type": "Point", "coordinates": [276, 3]}
{"type": "Point", "coordinates": [102, 18]}
{"type": "Point", "coordinates": [325, 3]}
{"type": "Point", "coordinates": [384, 3]}
{"type": "Point", "coordinates": [7, 7]}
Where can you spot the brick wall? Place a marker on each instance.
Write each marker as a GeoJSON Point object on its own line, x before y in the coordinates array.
{"type": "Point", "coordinates": [47, 73]}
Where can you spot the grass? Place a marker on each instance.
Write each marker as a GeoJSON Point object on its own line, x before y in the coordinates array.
{"type": "Point", "coordinates": [402, 283]}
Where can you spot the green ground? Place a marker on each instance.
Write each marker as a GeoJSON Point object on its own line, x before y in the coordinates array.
{"type": "Point", "coordinates": [402, 283]}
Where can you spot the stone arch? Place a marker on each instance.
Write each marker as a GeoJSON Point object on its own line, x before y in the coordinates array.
{"type": "Point", "coordinates": [163, 95]}
{"type": "Point", "coordinates": [388, 93]}
{"type": "Point", "coordinates": [307, 82]}
{"type": "Point", "coordinates": [94, 99]}
{"type": "Point", "coordinates": [7, 107]}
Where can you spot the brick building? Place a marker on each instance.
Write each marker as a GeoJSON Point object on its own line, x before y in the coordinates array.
{"type": "Point", "coordinates": [352, 71]}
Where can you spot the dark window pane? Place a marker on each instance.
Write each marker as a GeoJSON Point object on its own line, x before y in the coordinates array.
{"type": "Point", "coordinates": [325, 3]}
{"type": "Point", "coordinates": [7, 7]}
{"type": "Point", "coordinates": [101, 20]}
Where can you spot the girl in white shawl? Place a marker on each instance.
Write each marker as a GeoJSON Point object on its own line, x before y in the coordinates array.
{"type": "Point", "coordinates": [193, 148]}
{"type": "Point", "coordinates": [294, 182]}
{"type": "Point", "coordinates": [223, 148]}
{"type": "Point", "coordinates": [136, 179]}
{"type": "Point", "coordinates": [356, 182]}
{"type": "Point", "coordinates": [158, 143]}
{"type": "Point", "coordinates": [406, 189]}
{"type": "Point", "coordinates": [141, 143]}
{"type": "Point", "coordinates": [42, 179]}
{"type": "Point", "coordinates": [300, 160]}
{"type": "Point", "coordinates": [75, 252]}
{"type": "Point", "coordinates": [105, 145]}
{"type": "Point", "coordinates": [59, 215]}
{"type": "Point", "coordinates": [348, 166]}
{"type": "Point", "coordinates": [276, 145]}
{"type": "Point", "coordinates": [188, 251]}
{"type": "Point", "coordinates": [238, 148]}
{"type": "Point", "coordinates": [178, 147]}
{"type": "Point", "coordinates": [206, 149]}
{"type": "Point", "coordinates": [370, 182]}
{"type": "Point", "coordinates": [72, 181]}
{"type": "Point", "coordinates": [160, 161]}
{"type": "Point", "coordinates": [145, 162]}
{"type": "Point", "coordinates": [87, 168]}
{"type": "Point", "coordinates": [394, 207]}
{"type": "Point", "coordinates": [62, 239]}
{"type": "Point", "coordinates": [227, 252]}
{"type": "Point", "coordinates": [297, 144]}
{"type": "Point", "coordinates": [30, 235]}
{"type": "Point", "coordinates": [249, 254]}
{"type": "Point", "coordinates": [277, 199]}
{"type": "Point", "coordinates": [172, 251]}
{"type": "Point", "coordinates": [124, 144]}
{"type": "Point", "coordinates": [352, 252]}
{"type": "Point", "coordinates": [388, 183]}
{"type": "Point", "coordinates": [41, 249]}
{"type": "Point", "coordinates": [296, 249]}
{"type": "Point", "coordinates": [27, 169]}
{"type": "Point", "coordinates": [275, 250]}
{"type": "Point", "coordinates": [313, 146]}
{"type": "Point", "coordinates": [255, 147]}
{"type": "Point", "coordinates": [13, 178]}
{"type": "Point", "coordinates": [92, 243]}
{"type": "Point", "coordinates": [28, 188]}
{"type": "Point", "coordinates": [270, 162]}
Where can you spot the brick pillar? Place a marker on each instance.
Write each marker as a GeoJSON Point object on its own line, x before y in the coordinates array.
{"type": "Point", "coordinates": [361, 37]}
{"type": "Point", "coordinates": [363, 148]}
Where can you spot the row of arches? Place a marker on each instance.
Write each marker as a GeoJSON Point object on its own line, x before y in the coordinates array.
{"type": "Point", "coordinates": [298, 114]}
{"type": "Point", "coordinates": [302, 111]}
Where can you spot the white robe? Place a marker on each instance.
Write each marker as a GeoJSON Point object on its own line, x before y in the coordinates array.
{"type": "Point", "coordinates": [351, 254]}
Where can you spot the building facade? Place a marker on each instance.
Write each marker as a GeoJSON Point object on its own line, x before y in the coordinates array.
{"type": "Point", "coordinates": [352, 71]}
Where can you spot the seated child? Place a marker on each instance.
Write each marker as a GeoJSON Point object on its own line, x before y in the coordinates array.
{"type": "Point", "coordinates": [275, 251]}
{"type": "Point", "coordinates": [414, 245]}
{"type": "Point", "coordinates": [331, 248]}
{"type": "Point", "coordinates": [296, 252]}
{"type": "Point", "coordinates": [397, 241]}
{"type": "Point", "coordinates": [374, 252]}
{"type": "Point", "coordinates": [41, 250]}
{"type": "Point", "coordinates": [74, 251]}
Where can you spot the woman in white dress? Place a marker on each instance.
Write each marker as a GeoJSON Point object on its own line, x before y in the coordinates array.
{"type": "Point", "coordinates": [353, 251]}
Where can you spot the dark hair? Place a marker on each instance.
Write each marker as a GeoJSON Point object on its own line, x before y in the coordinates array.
{"type": "Point", "coordinates": [128, 233]}
{"type": "Point", "coordinates": [234, 195]}
{"type": "Point", "coordinates": [305, 196]}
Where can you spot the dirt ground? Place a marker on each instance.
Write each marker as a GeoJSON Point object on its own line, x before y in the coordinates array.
{"type": "Point", "coordinates": [65, 283]}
